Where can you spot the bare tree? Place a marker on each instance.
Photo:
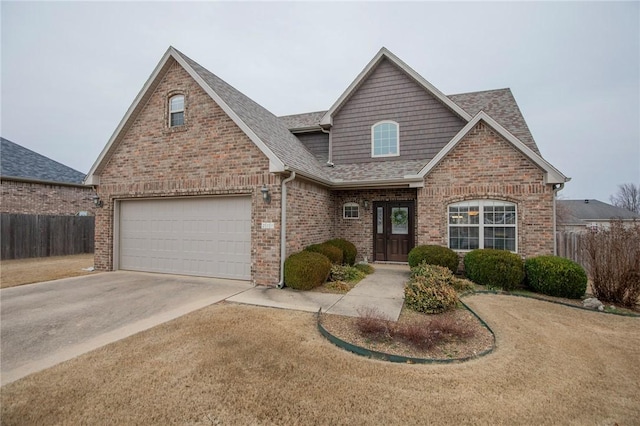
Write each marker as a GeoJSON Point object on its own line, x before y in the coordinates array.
{"type": "Point", "coordinates": [627, 197]}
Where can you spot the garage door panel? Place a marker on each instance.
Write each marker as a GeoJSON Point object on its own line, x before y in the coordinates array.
{"type": "Point", "coordinates": [193, 236]}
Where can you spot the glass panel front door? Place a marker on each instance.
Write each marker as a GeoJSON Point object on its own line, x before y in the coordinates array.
{"type": "Point", "coordinates": [394, 230]}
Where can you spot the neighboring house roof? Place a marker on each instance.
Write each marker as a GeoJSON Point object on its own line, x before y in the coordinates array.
{"type": "Point", "coordinates": [581, 211]}
{"type": "Point", "coordinates": [273, 135]}
{"type": "Point", "coordinates": [20, 163]}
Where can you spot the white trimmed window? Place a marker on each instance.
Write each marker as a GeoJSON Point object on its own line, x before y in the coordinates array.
{"type": "Point", "coordinates": [385, 139]}
{"type": "Point", "coordinates": [176, 111]}
{"type": "Point", "coordinates": [483, 224]}
{"type": "Point", "coordinates": [351, 211]}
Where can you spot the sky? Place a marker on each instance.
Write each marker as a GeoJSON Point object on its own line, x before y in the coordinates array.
{"type": "Point", "coordinates": [70, 70]}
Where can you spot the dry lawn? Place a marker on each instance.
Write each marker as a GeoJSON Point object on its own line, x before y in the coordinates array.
{"type": "Point", "coordinates": [26, 271]}
{"type": "Point", "coordinates": [236, 364]}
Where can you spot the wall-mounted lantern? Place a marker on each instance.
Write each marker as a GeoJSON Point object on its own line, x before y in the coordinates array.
{"type": "Point", "coordinates": [265, 194]}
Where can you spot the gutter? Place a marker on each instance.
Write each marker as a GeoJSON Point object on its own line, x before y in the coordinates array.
{"type": "Point", "coordinates": [555, 197]}
{"type": "Point", "coordinates": [283, 227]}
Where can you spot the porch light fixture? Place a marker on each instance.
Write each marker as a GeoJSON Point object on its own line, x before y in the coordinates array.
{"type": "Point", "coordinates": [97, 201]}
{"type": "Point", "coordinates": [265, 194]}
{"type": "Point", "coordinates": [365, 203]}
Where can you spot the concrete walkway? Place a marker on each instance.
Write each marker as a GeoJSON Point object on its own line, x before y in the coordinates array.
{"type": "Point", "coordinates": [382, 290]}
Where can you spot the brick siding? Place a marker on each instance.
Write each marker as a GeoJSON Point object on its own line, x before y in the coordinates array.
{"type": "Point", "coordinates": [485, 166]}
{"type": "Point", "coordinates": [39, 198]}
{"type": "Point", "coordinates": [309, 215]}
{"type": "Point", "coordinates": [209, 155]}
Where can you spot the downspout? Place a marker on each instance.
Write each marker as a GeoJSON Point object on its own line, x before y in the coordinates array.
{"type": "Point", "coordinates": [555, 197]}
{"type": "Point", "coordinates": [283, 227]}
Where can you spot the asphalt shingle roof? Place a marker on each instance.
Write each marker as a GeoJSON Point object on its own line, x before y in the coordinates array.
{"type": "Point", "coordinates": [264, 124]}
{"type": "Point", "coordinates": [591, 210]}
{"type": "Point", "coordinates": [302, 121]}
{"type": "Point", "coordinates": [502, 107]}
{"type": "Point", "coordinates": [19, 162]}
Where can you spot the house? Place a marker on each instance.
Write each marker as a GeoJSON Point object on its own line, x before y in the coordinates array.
{"type": "Point", "coordinates": [582, 215]}
{"type": "Point", "coordinates": [31, 183]}
{"type": "Point", "coordinates": [199, 179]}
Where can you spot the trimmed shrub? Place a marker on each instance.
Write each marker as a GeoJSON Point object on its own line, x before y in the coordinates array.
{"type": "Point", "coordinates": [423, 295]}
{"type": "Point", "coordinates": [348, 249]}
{"type": "Point", "coordinates": [434, 255]}
{"type": "Point", "coordinates": [440, 274]}
{"type": "Point", "coordinates": [555, 276]}
{"type": "Point", "coordinates": [306, 270]}
{"type": "Point", "coordinates": [430, 289]}
{"type": "Point", "coordinates": [366, 268]}
{"type": "Point", "coordinates": [494, 268]}
{"type": "Point", "coordinates": [345, 273]}
{"type": "Point", "coordinates": [333, 253]}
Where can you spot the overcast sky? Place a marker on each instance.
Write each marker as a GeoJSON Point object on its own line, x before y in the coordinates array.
{"type": "Point", "coordinates": [71, 70]}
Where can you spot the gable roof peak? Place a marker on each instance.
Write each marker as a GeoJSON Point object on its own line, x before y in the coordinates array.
{"type": "Point", "coordinates": [385, 53]}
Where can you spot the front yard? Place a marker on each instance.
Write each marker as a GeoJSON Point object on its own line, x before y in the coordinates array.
{"type": "Point", "coordinates": [238, 364]}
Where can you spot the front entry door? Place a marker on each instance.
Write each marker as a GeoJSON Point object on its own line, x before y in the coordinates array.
{"type": "Point", "coordinates": [393, 230]}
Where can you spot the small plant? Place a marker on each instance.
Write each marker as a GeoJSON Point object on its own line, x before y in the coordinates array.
{"type": "Point", "coordinates": [422, 335]}
{"type": "Point", "coordinates": [440, 274]}
{"type": "Point", "coordinates": [366, 268]}
{"type": "Point", "coordinates": [555, 276]}
{"type": "Point", "coordinates": [613, 262]}
{"type": "Point", "coordinates": [306, 270]}
{"type": "Point", "coordinates": [333, 253]}
{"type": "Point", "coordinates": [345, 273]}
{"type": "Point", "coordinates": [348, 249]}
{"type": "Point", "coordinates": [434, 255]}
{"type": "Point", "coordinates": [429, 296]}
{"type": "Point", "coordinates": [374, 324]}
{"type": "Point", "coordinates": [338, 286]}
{"type": "Point", "coordinates": [494, 268]}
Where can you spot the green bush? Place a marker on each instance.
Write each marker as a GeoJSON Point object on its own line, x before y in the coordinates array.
{"type": "Point", "coordinates": [430, 289]}
{"type": "Point", "coordinates": [345, 273]}
{"type": "Point", "coordinates": [434, 255]}
{"type": "Point", "coordinates": [555, 276]}
{"type": "Point", "coordinates": [366, 268]}
{"type": "Point", "coordinates": [333, 253]}
{"type": "Point", "coordinates": [494, 268]}
{"type": "Point", "coordinates": [442, 275]}
{"type": "Point", "coordinates": [429, 296]}
{"type": "Point", "coordinates": [348, 249]}
{"type": "Point", "coordinates": [306, 270]}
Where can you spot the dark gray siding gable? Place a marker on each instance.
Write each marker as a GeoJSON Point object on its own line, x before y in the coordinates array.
{"type": "Point", "coordinates": [426, 125]}
{"type": "Point", "coordinates": [317, 143]}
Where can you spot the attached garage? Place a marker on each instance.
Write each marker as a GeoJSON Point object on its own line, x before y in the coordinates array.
{"type": "Point", "coordinates": [202, 236]}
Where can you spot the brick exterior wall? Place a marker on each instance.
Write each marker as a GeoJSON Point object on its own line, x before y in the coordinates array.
{"type": "Point", "coordinates": [209, 155]}
{"type": "Point", "coordinates": [310, 215]}
{"type": "Point", "coordinates": [360, 231]}
{"type": "Point", "coordinates": [485, 166]}
{"type": "Point", "coordinates": [38, 198]}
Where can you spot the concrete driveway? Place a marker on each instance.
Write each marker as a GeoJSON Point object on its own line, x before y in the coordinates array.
{"type": "Point", "coordinates": [47, 323]}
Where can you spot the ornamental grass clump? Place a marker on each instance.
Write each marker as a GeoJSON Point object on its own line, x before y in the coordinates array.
{"type": "Point", "coordinates": [306, 270]}
{"type": "Point", "coordinates": [345, 273]}
{"type": "Point", "coordinates": [613, 263]}
{"type": "Point", "coordinates": [434, 255]}
{"type": "Point", "coordinates": [555, 276]}
{"type": "Point", "coordinates": [494, 268]}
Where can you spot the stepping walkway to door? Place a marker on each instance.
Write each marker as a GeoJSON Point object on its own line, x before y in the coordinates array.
{"type": "Point", "coordinates": [382, 291]}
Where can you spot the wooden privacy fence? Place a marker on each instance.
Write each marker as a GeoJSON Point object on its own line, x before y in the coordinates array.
{"type": "Point", "coordinates": [45, 235]}
{"type": "Point", "coordinates": [569, 245]}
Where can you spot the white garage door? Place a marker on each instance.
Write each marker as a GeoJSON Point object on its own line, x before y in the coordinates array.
{"type": "Point", "coordinates": [209, 237]}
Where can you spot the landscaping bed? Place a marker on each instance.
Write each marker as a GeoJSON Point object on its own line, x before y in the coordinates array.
{"type": "Point", "coordinates": [478, 338]}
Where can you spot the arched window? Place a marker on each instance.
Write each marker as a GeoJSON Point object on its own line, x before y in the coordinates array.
{"type": "Point", "coordinates": [385, 139]}
{"type": "Point", "coordinates": [176, 111]}
{"type": "Point", "coordinates": [351, 211]}
{"type": "Point", "coordinates": [483, 224]}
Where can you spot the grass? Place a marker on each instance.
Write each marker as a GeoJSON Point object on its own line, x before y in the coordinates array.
{"type": "Point", "coordinates": [17, 272]}
{"type": "Point", "coordinates": [238, 364]}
